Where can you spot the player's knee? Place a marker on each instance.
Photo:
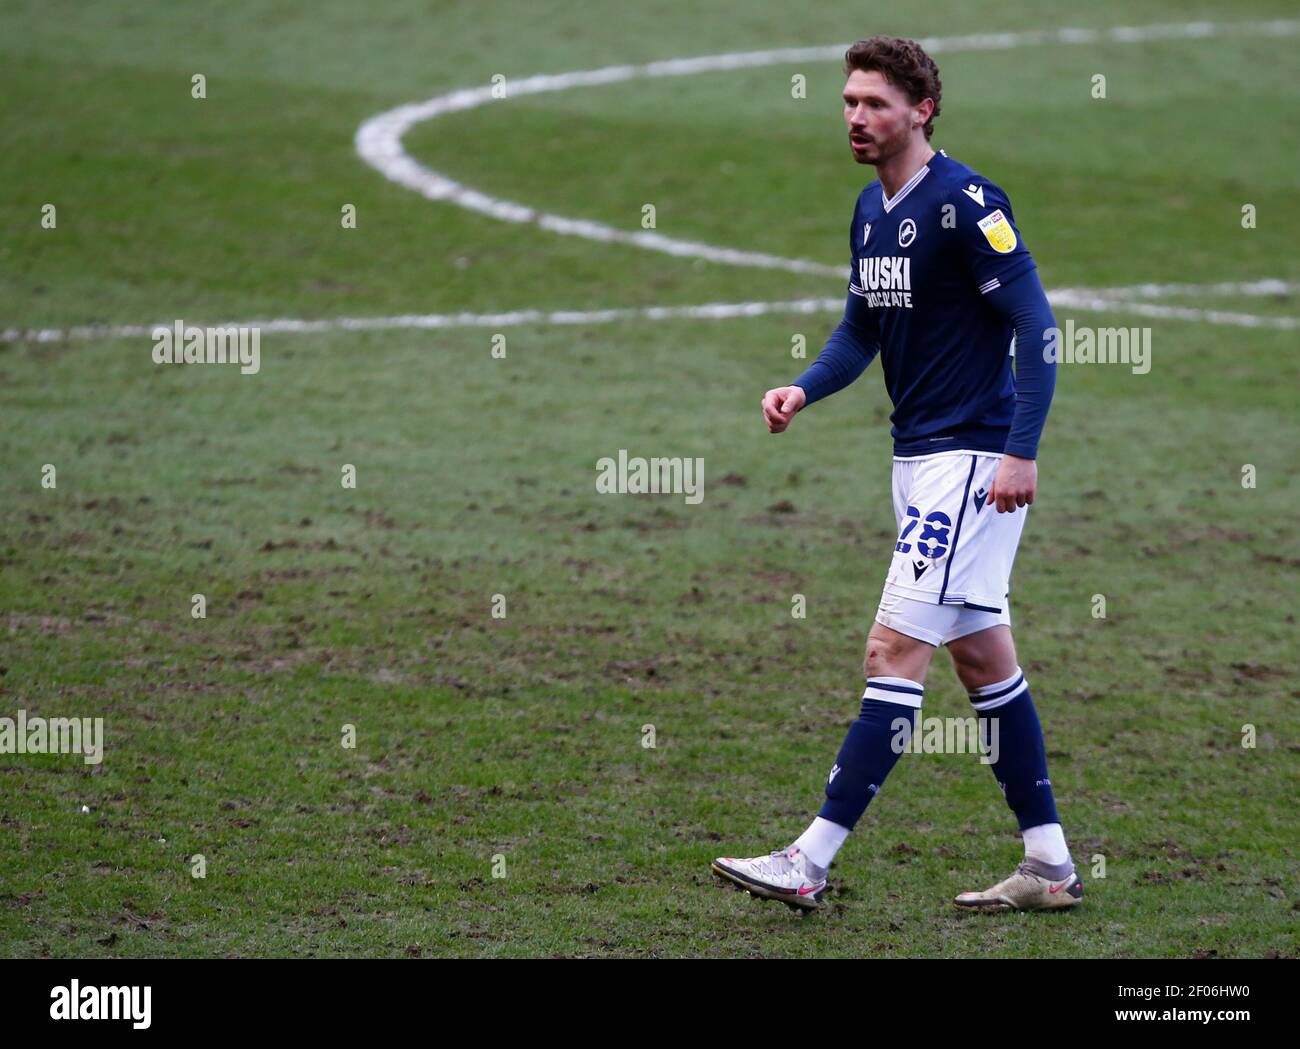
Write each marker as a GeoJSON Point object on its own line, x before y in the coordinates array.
{"type": "Point", "coordinates": [970, 666]}
{"type": "Point", "coordinates": [884, 653]}
{"type": "Point", "coordinates": [873, 659]}
{"type": "Point", "coordinates": [983, 658]}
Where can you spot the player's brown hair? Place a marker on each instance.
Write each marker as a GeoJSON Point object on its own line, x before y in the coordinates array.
{"type": "Point", "coordinates": [904, 64]}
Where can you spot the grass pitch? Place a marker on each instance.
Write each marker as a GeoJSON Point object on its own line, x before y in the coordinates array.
{"type": "Point", "coordinates": [489, 746]}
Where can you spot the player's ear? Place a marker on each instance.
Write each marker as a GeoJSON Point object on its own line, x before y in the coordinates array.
{"type": "Point", "coordinates": [924, 110]}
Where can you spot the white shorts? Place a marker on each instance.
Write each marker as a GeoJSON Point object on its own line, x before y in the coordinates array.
{"type": "Point", "coordinates": [951, 572]}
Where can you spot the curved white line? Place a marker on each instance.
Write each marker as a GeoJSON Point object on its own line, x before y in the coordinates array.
{"type": "Point", "coordinates": [379, 140]}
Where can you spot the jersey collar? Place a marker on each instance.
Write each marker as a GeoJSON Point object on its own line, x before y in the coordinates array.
{"type": "Point", "coordinates": [889, 202]}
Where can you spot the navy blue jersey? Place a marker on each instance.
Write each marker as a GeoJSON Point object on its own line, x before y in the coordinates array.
{"type": "Point", "coordinates": [924, 290]}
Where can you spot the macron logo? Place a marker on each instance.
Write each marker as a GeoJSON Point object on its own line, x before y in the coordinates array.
{"type": "Point", "coordinates": [835, 771]}
{"type": "Point", "coordinates": [102, 1003]}
{"type": "Point", "coordinates": [976, 193]}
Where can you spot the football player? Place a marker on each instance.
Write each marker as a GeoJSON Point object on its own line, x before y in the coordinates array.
{"type": "Point", "coordinates": [940, 283]}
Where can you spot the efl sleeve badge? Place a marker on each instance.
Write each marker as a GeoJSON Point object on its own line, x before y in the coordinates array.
{"type": "Point", "coordinates": [998, 232]}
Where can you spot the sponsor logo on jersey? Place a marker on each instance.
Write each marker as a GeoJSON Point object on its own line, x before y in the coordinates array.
{"type": "Point", "coordinates": [887, 280]}
{"type": "Point", "coordinates": [976, 193]}
{"type": "Point", "coordinates": [906, 233]}
{"type": "Point", "coordinates": [998, 232]}
{"type": "Point", "coordinates": [866, 232]}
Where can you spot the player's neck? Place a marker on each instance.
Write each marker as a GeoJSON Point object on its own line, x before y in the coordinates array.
{"type": "Point", "coordinates": [895, 172]}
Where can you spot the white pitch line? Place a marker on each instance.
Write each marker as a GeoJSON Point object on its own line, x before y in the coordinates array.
{"type": "Point", "coordinates": [1267, 286]}
{"type": "Point", "coordinates": [434, 321]}
{"type": "Point", "coordinates": [1082, 301]}
{"type": "Point", "coordinates": [1123, 299]}
{"type": "Point", "coordinates": [379, 140]}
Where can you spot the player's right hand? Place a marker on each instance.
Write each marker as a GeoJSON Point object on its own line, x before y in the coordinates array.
{"type": "Point", "coordinates": [780, 405]}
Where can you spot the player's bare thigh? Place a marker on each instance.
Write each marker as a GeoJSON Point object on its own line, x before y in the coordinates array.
{"type": "Point", "coordinates": [984, 657]}
{"type": "Point", "coordinates": [891, 654]}
{"type": "Point", "coordinates": [979, 659]}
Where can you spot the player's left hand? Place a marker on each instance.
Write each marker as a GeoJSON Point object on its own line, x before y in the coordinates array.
{"type": "Point", "coordinates": [1015, 484]}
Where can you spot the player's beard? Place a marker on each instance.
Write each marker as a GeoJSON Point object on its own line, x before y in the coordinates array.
{"type": "Point", "coordinates": [884, 148]}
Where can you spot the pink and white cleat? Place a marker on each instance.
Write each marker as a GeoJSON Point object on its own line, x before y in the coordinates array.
{"type": "Point", "coordinates": [785, 874]}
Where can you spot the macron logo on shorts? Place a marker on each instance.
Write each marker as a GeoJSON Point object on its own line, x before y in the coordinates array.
{"type": "Point", "coordinates": [979, 498]}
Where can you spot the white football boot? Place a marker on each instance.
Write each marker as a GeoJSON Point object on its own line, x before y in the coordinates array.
{"type": "Point", "coordinates": [1025, 890]}
{"type": "Point", "coordinates": [784, 874]}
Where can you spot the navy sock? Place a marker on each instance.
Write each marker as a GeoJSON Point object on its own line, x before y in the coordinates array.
{"type": "Point", "coordinates": [890, 709]}
{"type": "Point", "coordinates": [1009, 720]}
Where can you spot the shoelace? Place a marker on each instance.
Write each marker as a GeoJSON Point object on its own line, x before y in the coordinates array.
{"type": "Point", "coordinates": [769, 866]}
